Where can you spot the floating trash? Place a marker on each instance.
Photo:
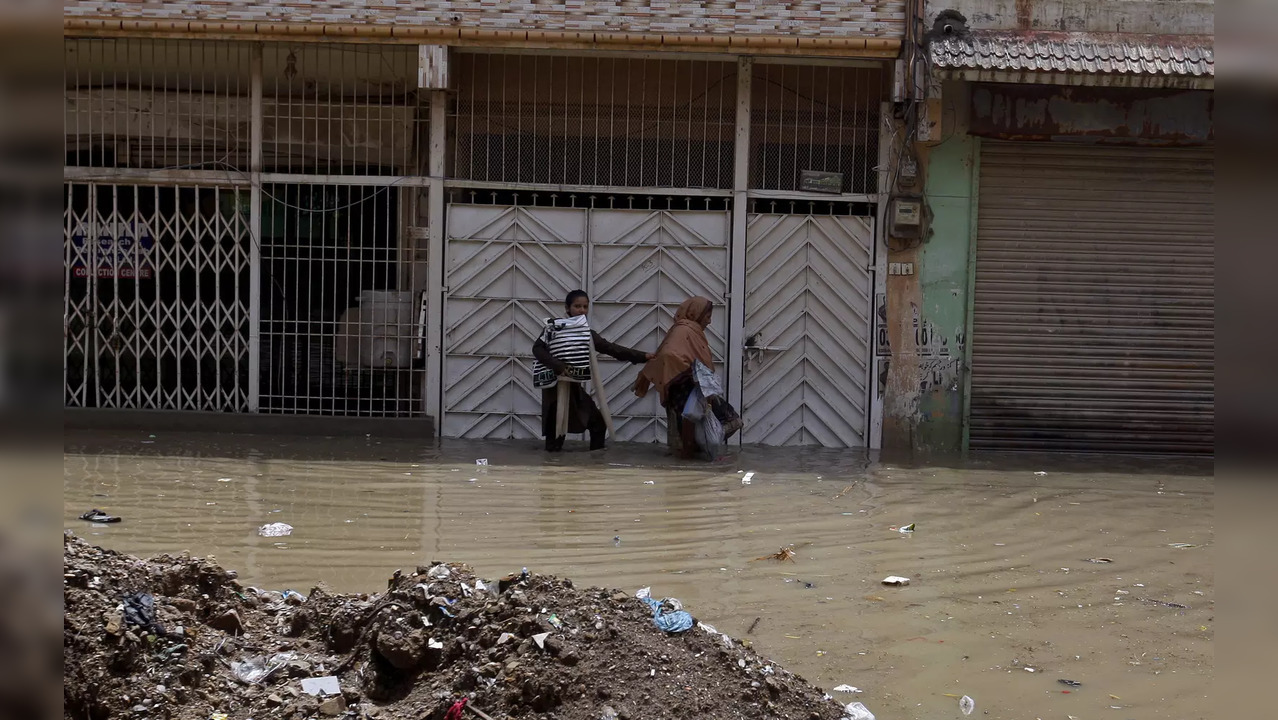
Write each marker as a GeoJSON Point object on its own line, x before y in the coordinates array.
{"type": "Point", "coordinates": [276, 529]}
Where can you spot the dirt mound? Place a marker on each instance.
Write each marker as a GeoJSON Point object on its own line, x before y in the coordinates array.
{"type": "Point", "coordinates": [524, 646]}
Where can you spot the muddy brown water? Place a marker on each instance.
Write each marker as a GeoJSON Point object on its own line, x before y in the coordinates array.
{"type": "Point", "coordinates": [1001, 581]}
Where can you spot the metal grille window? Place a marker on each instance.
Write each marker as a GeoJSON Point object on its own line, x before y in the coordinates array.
{"type": "Point", "coordinates": [341, 303]}
{"type": "Point", "coordinates": [158, 241]}
{"type": "Point", "coordinates": [340, 109]}
{"type": "Point", "coordinates": [815, 117]}
{"type": "Point", "coordinates": [186, 105]}
{"type": "Point", "coordinates": [157, 297]}
{"type": "Point", "coordinates": [158, 104]}
{"type": "Point", "coordinates": [617, 122]}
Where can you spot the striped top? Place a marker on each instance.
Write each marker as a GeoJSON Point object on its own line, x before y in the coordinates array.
{"type": "Point", "coordinates": [569, 340]}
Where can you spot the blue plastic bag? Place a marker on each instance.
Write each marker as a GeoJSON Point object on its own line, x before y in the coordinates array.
{"type": "Point", "coordinates": [672, 621]}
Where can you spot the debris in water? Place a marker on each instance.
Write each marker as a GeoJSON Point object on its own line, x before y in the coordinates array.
{"type": "Point", "coordinates": [967, 705]}
{"type": "Point", "coordinates": [1071, 683]}
{"type": "Point", "coordinates": [649, 482]}
{"type": "Point", "coordinates": [1164, 603]}
{"type": "Point", "coordinates": [481, 461]}
{"type": "Point", "coordinates": [847, 689]}
{"type": "Point", "coordinates": [896, 581]}
{"type": "Point", "coordinates": [753, 625]}
{"type": "Point", "coordinates": [277, 529]}
{"type": "Point", "coordinates": [97, 516]}
{"type": "Point", "coordinates": [1040, 473]}
{"type": "Point", "coordinates": [747, 478]}
{"type": "Point", "coordinates": [857, 711]}
{"type": "Point", "coordinates": [1099, 560]}
{"type": "Point", "coordinates": [1182, 546]}
{"type": "Point", "coordinates": [906, 528]}
{"type": "Point", "coordinates": [782, 555]}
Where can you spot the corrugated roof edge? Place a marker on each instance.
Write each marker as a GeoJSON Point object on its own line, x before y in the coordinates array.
{"type": "Point", "coordinates": [1102, 53]}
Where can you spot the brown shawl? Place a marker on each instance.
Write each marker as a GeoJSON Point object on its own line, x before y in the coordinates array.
{"type": "Point", "coordinates": [684, 343]}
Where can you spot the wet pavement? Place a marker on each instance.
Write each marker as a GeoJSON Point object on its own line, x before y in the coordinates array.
{"type": "Point", "coordinates": [1001, 562]}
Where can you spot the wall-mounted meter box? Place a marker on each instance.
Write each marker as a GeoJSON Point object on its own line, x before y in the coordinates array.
{"type": "Point", "coordinates": [905, 217]}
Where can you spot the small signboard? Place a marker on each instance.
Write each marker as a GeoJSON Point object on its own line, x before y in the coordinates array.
{"type": "Point", "coordinates": [820, 182]}
{"type": "Point", "coordinates": [124, 251]}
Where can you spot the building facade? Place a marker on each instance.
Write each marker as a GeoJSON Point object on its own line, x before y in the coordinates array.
{"type": "Point", "coordinates": [1061, 297]}
{"type": "Point", "coordinates": [366, 209]}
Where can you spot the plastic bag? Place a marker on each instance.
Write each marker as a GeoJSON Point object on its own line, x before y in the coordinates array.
{"type": "Point", "coordinates": [695, 406]}
{"type": "Point", "coordinates": [709, 434]}
{"type": "Point", "coordinates": [706, 380]}
{"type": "Point", "coordinates": [674, 620]}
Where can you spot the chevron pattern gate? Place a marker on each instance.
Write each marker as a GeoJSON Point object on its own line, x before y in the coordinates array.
{"type": "Point", "coordinates": [808, 303]}
{"type": "Point", "coordinates": [642, 266]}
{"type": "Point", "coordinates": [508, 268]}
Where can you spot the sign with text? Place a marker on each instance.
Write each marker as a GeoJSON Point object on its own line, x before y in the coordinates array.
{"type": "Point", "coordinates": [119, 251]}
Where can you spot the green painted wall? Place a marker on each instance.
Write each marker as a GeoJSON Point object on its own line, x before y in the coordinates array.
{"type": "Point", "coordinates": [943, 277]}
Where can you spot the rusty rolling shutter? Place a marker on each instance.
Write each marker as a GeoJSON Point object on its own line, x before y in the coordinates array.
{"type": "Point", "coordinates": [1093, 326]}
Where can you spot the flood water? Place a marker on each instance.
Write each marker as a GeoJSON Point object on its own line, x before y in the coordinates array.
{"type": "Point", "coordinates": [999, 562]}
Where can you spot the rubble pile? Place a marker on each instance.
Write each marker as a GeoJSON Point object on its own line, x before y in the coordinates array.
{"type": "Point", "coordinates": [179, 638]}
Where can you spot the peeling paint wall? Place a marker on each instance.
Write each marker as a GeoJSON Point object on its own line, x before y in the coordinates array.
{"type": "Point", "coordinates": [926, 320]}
{"type": "Point", "coordinates": [1095, 114]}
{"type": "Point", "coordinates": [1176, 17]}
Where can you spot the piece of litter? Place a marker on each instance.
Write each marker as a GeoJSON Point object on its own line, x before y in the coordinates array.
{"type": "Point", "coordinates": [1099, 560]}
{"type": "Point", "coordinates": [326, 685]}
{"type": "Point", "coordinates": [481, 461]}
{"type": "Point", "coordinates": [505, 638]}
{"type": "Point", "coordinates": [1071, 683]}
{"type": "Point", "coordinates": [439, 572]}
{"type": "Point", "coordinates": [1040, 473]}
{"type": "Point", "coordinates": [649, 482]}
{"type": "Point", "coordinates": [747, 478]}
{"type": "Point", "coordinates": [434, 644]}
{"type": "Point", "coordinates": [1030, 670]}
{"type": "Point", "coordinates": [278, 529]}
{"type": "Point", "coordinates": [896, 580]}
{"type": "Point", "coordinates": [906, 528]}
{"type": "Point", "coordinates": [540, 639]}
{"type": "Point", "coordinates": [224, 479]}
{"type": "Point", "coordinates": [847, 689]}
{"type": "Point", "coordinates": [1181, 546]}
{"type": "Point", "coordinates": [643, 593]}
{"type": "Point", "coordinates": [473, 480]}
{"type": "Point", "coordinates": [857, 711]}
{"type": "Point", "coordinates": [967, 705]}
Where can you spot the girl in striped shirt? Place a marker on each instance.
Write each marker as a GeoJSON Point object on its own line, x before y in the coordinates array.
{"type": "Point", "coordinates": [563, 350]}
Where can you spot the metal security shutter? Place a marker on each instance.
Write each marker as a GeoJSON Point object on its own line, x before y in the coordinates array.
{"type": "Point", "coordinates": [1093, 325]}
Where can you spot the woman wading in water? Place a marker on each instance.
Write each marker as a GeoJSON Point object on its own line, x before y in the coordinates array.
{"type": "Point", "coordinates": [670, 371]}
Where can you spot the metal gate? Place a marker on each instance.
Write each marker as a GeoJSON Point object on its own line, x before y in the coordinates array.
{"type": "Point", "coordinates": [156, 297]}
{"type": "Point", "coordinates": [1094, 311]}
{"type": "Point", "coordinates": [643, 264]}
{"type": "Point", "coordinates": [809, 291]}
{"type": "Point", "coordinates": [508, 268]}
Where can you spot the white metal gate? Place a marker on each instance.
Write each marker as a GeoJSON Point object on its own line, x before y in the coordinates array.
{"type": "Point", "coordinates": [508, 268]}
{"type": "Point", "coordinates": [809, 290]}
{"type": "Point", "coordinates": [643, 264]}
{"type": "Point", "coordinates": [156, 297]}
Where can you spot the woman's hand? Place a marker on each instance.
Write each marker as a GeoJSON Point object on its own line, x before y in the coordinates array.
{"type": "Point", "coordinates": [650, 355]}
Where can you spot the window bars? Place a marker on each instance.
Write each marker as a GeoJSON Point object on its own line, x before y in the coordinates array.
{"type": "Point", "coordinates": [819, 118]}
{"type": "Point", "coordinates": [599, 121]}
{"type": "Point", "coordinates": [158, 242]}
